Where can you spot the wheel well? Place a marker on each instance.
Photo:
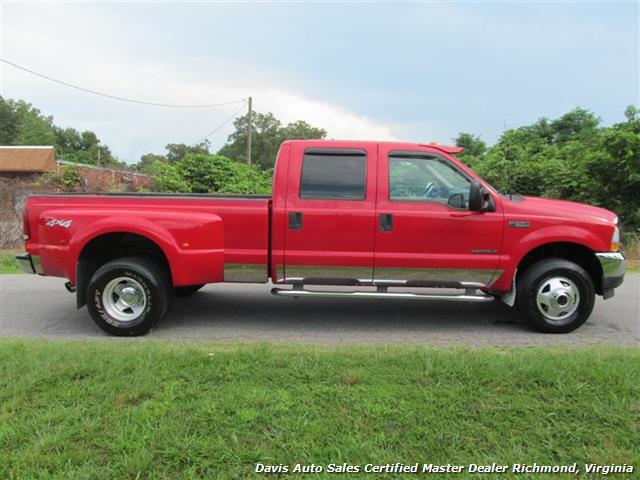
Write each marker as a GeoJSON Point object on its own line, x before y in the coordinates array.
{"type": "Point", "coordinates": [110, 246]}
{"type": "Point", "coordinates": [574, 252]}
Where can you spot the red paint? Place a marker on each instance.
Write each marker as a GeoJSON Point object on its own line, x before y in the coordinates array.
{"type": "Point", "coordinates": [335, 232]}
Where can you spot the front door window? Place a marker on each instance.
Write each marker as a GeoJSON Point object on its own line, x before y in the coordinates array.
{"type": "Point", "coordinates": [414, 178]}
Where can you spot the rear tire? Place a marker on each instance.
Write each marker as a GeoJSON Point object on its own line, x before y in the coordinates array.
{"type": "Point", "coordinates": [127, 296]}
{"type": "Point", "coordinates": [187, 291]}
{"type": "Point", "coordinates": [555, 295]}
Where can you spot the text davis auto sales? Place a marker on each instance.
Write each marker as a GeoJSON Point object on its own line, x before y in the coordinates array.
{"type": "Point", "coordinates": [429, 468]}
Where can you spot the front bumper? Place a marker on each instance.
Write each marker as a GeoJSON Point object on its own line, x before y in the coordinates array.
{"type": "Point", "coordinates": [29, 263]}
{"type": "Point", "coordinates": [613, 264]}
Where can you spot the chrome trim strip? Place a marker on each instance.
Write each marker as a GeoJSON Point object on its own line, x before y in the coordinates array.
{"type": "Point", "coordinates": [468, 277]}
{"type": "Point", "coordinates": [245, 273]}
{"type": "Point", "coordinates": [614, 264]}
{"type": "Point", "coordinates": [465, 278]}
{"type": "Point", "coordinates": [304, 274]}
{"type": "Point", "coordinates": [391, 295]}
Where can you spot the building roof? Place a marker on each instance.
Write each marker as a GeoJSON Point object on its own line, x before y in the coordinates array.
{"type": "Point", "coordinates": [27, 159]}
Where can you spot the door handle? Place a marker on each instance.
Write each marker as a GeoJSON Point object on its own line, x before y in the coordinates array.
{"type": "Point", "coordinates": [386, 222]}
{"type": "Point", "coordinates": [295, 220]}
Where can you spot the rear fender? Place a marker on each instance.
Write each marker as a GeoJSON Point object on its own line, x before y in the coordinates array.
{"type": "Point", "coordinates": [193, 243]}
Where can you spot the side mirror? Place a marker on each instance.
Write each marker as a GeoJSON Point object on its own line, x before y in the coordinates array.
{"type": "Point", "coordinates": [478, 197]}
{"type": "Point", "coordinates": [456, 200]}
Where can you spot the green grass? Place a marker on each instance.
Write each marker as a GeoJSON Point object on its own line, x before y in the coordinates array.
{"type": "Point", "coordinates": [129, 409]}
{"type": "Point", "coordinates": [8, 262]}
{"type": "Point", "coordinates": [631, 248]}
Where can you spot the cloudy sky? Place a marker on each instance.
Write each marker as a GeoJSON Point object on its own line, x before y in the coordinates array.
{"type": "Point", "coordinates": [417, 72]}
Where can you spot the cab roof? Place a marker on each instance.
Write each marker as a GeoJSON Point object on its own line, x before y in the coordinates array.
{"type": "Point", "coordinates": [452, 150]}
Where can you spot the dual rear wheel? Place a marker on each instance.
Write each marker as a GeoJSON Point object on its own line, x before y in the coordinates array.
{"type": "Point", "coordinates": [127, 296]}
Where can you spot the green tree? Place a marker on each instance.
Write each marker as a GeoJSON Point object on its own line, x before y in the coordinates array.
{"type": "Point", "coordinates": [23, 124]}
{"type": "Point", "coordinates": [145, 165]}
{"type": "Point", "coordinates": [166, 178]}
{"type": "Point", "coordinates": [267, 135]}
{"type": "Point", "coordinates": [83, 147]}
{"type": "Point", "coordinates": [264, 139]}
{"type": "Point", "coordinates": [9, 123]}
{"type": "Point", "coordinates": [615, 169]}
{"type": "Point", "coordinates": [301, 130]}
{"type": "Point", "coordinates": [202, 173]}
{"type": "Point", "coordinates": [33, 127]}
{"type": "Point", "coordinates": [573, 158]}
{"type": "Point", "coordinates": [473, 145]}
{"type": "Point", "coordinates": [177, 151]}
{"type": "Point", "coordinates": [574, 125]}
{"type": "Point", "coordinates": [216, 173]}
{"type": "Point", "coordinates": [174, 153]}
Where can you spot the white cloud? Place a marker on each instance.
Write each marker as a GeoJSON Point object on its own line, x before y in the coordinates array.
{"type": "Point", "coordinates": [104, 64]}
{"type": "Point", "coordinates": [339, 122]}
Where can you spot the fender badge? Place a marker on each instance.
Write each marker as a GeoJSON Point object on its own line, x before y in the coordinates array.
{"type": "Point", "coordinates": [60, 223]}
{"type": "Point", "coordinates": [519, 224]}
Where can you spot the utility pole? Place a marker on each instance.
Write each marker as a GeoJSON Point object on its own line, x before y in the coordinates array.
{"type": "Point", "coordinates": [249, 133]}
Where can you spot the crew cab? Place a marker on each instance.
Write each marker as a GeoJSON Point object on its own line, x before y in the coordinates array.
{"type": "Point", "coordinates": [389, 220]}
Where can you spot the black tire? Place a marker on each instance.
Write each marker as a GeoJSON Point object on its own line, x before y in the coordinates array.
{"type": "Point", "coordinates": [146, 281]}
{"type": "Point", "coordinates": [188, 290]}
{"type": "Point", "coordinates": [557, 281]}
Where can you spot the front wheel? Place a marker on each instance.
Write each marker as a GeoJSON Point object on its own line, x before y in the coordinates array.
{"type": "Point", "coordinates": [555, 295]}
{"type": "Point", "coordinates": [127, 296]}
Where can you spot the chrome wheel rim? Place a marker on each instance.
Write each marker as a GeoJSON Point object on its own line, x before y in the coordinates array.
{"type": "Point", "coordinates": [558, 298]}
{"type": "Point", "coordinates": [124, 299]}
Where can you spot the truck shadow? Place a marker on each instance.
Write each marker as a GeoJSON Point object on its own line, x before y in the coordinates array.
{"type": "Point", "coordinates": [253, 313]}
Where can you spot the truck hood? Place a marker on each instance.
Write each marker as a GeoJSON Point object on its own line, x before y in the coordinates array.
{"type": "Point", "coordinates": [559, 208]}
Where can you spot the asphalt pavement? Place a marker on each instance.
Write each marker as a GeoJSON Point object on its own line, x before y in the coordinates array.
{"type": "Point", "coordinates": [40, 307]}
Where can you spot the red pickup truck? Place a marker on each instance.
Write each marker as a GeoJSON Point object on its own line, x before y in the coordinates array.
{"type": "Point", "coordinates": [384, 218]}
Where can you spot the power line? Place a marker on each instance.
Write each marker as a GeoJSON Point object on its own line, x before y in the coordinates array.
{"type": "Point", "coordinates": [223, 123]}
{"type": "Point", "coordinates": [115, 97]}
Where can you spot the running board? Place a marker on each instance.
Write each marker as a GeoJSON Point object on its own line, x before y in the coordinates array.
{"type": "Point", "coordinates": [299, 293]}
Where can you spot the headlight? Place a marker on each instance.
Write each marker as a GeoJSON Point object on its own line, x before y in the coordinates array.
{"type": "Point", "coordinates": [615, 240]}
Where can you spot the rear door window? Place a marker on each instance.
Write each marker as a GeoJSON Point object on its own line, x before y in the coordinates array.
{"type": "Point", "coordinates": [338, 174]}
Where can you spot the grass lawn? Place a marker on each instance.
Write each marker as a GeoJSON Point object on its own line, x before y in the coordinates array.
{"type": "Point", "coordinates": [132, 409]}
{"type": "Point", "coordinates": [8, 262]}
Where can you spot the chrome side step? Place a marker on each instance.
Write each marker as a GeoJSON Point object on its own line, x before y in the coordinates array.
{"type": "Point", "coordinates": [299, 293]}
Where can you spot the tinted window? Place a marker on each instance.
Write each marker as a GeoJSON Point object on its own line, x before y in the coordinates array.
{"type": "Point", "coordinates": [427, 179]}
{"type": "Point", "coordinates": [334, 174]}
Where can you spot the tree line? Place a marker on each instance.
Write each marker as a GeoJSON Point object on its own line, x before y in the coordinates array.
{"type": "Point", "coordinates": [23, 124]}
{"type": "Point", "coordinates": [573, 157]}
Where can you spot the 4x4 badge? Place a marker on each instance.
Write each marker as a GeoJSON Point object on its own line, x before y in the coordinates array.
{"type": "Point", "coordinates": [60, 223]}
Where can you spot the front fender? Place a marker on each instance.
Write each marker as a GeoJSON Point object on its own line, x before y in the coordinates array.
{"type": "Point", "coordinates": [516, 248]}
{"type": "Point", "coordinates": [557, 234]}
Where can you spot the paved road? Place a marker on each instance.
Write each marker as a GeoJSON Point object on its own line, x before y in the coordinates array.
{"type": "Point", "coordinates": [40, 307]}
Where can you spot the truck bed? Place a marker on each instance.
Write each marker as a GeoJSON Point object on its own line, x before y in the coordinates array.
{"type": "Point", "coordinates": [245, 222]}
